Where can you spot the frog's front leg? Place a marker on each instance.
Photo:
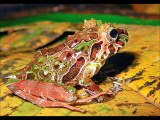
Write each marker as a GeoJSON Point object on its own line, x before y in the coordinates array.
{"type": "Point", "coordinates": [86, 82]}
{"type": "Point", "coordinates": [95, 90]}
{"type": "Point", "coordinates": [92, 88]}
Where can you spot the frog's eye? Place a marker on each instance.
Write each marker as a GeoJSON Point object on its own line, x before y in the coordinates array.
{"type": "Point", "coordinates": [113, 33]}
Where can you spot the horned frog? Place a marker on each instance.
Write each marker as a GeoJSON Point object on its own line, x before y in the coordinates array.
{"type": "Point", "coordinates": [50, 78]}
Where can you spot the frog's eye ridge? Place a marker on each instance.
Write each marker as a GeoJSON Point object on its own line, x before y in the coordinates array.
{"type": "Point", "coordinates": [113, 33]}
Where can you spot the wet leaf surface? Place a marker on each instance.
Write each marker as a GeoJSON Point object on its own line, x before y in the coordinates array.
{"type": "Point", "coordinates": [32, 36]}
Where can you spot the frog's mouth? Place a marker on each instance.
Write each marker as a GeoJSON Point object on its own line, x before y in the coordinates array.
{"type": "Point", "coordinates": [122, 37]}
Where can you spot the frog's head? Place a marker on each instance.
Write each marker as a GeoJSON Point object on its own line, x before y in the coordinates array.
{"type": "Point", "coordinates": [110, 39]}
{"type": "Point", "coordinates": [113, 38]}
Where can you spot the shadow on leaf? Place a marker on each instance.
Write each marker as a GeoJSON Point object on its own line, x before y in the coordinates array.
{"type": "Point", "coordinates": [114, 65]}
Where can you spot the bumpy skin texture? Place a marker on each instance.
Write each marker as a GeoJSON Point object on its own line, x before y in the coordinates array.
{"type": "Point", "coordinates": [49, 79]}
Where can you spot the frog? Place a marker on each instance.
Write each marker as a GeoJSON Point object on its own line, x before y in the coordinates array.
{"type": "Point", "coordinates": [49, 79]}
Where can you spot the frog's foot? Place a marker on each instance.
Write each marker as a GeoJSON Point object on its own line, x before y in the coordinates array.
{"type": "Point", "coordinates": [91, 98]}
{"type": "Point", "coordinates": [101, 95]}
{"type": "Point", "coordinates": [116, 88]}
{"type": "Point", "coordinates": [93, 89]}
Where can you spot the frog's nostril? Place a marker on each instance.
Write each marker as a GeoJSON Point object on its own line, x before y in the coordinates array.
{"type": "Point", "coordinates": [125, 32]}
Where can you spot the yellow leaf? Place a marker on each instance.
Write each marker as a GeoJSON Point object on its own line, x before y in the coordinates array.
{"type": "Point", "coordinates": [143, 45]}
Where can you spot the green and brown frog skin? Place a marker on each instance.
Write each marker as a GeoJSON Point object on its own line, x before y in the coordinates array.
{"type": "Point", "coordinates": [50, 78]}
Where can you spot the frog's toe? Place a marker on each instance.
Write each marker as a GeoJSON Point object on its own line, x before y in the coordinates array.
{"type": "Point", "coordinates": [116, 88]}
{"type": "Point", "coordinates": [99, 99]}
{"type": "Point", "coordinates": [114, 79]}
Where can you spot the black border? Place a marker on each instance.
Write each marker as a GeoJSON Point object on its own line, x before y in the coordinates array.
{"type": "Point", "coordinates": [81, 1]}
